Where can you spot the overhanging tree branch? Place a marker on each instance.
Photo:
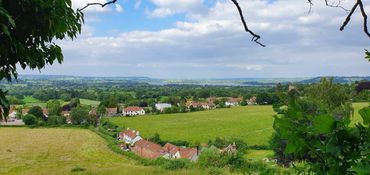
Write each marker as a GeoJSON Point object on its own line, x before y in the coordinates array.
{"type": "Point", "coordinates": [255, 37]}
{"type": "Point", "coordinates": [97, 3]}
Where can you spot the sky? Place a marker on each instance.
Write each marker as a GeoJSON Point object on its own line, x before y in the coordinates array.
{"type": "Point", "coordinates": [205, 39]}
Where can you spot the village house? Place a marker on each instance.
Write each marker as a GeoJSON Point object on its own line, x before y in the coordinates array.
{"type": "Point", "coordinates": [147, 149]}
{"type": "Point", "coordinates": [204, 105]}
{"type": "Point", "coordinates": [212, 99]}
{"type": "Point", "coordinates": [133, 110]}
{"type": "Point", "coordinates": [176, 152]}
{"type": "Point", "coordinates": [129, 137]}
{"type": "Point", "coordinates": [45, 112]}
{"type": "Point", "coordinates": [230, 149]}
{"type": "Point", "coordinates": [111, 111]}
{"type": "Point", "coordinates": [233, 101]}
{"type": "Point", "coordinates": [162, 106]}
{"type": "Point", "coordinates": [25, 111]}
{"type": "Point", "coordinates": [252, 101]}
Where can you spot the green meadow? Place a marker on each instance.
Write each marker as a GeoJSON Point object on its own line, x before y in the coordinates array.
{"type": "Point", "coordinates": [89, 102]}
{"type": "Point", "coordinates": [253, 124]}
{"type": "Point", "coordinates": [59, 151]}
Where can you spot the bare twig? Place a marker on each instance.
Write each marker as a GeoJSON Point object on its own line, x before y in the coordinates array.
{"type": "Point", "coordinates": [255, 37]}
{"type": "Point", "coordinates": [97, 3]}
{"type": "Point", "coordinates": [336, 6]}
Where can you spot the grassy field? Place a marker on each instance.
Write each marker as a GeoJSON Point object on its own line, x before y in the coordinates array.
{"type": "Point", "coordinates": [89, 102]}
{"type": "Point", "coordinates": [30, 101]}
{"type": "Point", "coordinates": [58, 151]}
{"type": "Point", "coordinates": [250, 123]}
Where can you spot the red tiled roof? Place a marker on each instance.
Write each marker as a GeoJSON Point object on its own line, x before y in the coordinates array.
{"type": "Point", "coordinates": [168, 147]}
{"type": "Point", "coordinates": [148, 149]}
{"type": "Point", "coordinates": [133, 109]}
{"type": "Point", "coordinates": [235, 100]}
{"type": "Point", "coordinates": [111, 110]}
{"type": "Point", "coordinates": [149, 145]}
{"type": "Point", "coordinates": [188, 152]}
{"type": "Point", "coordinates": [130, 133]}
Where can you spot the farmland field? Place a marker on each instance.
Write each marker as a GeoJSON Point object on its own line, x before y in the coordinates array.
{"type": "Point", "coordinates": [89, 102]}
{"type": "Point", "coordinates": [250, 123]}
{"type": "Point", "coordinates": [58, 151]}
{"type": "Point", "coordinates": [30, 101]}
{"type": "Point", "coordinates": [253, 124]}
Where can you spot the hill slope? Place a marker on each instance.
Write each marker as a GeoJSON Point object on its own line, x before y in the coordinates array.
{"type": "Point", "coordinates": [58, 151]}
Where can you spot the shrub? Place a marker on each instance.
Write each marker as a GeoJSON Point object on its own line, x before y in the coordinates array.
{"type": "Point", "coordinates": [176, 164]}
{"type": "Point", "coordinates": [56, 120]}
{"type": "Point", "coordinates": [37, 112]}
{"type": "Point", "coordinates": [29, 119]}
{"type": "Point", "coordinates": [211, 157]}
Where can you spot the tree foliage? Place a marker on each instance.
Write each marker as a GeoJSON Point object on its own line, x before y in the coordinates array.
{"type": "Point", "coordinates": [54, 107]}
{"type": "Point", "coordinates": [28, 29]}
{"type": "Point", "coordinates": [37, 112]}
{"type": "Point", "coordinates": [316, 129]}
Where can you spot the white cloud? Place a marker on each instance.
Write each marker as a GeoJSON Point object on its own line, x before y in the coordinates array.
{"type": "Point", "coordinates": [169, 7]}
{"type": "Point", "coordinates": [119, 8]}
{"type": "Point", "coordinates": [213, 44]}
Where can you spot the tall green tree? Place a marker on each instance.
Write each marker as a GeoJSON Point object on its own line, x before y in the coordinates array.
{"type": "Point", "coordinates": [54, 107]}
{"type": "Point", "coordinates": [28, 31]}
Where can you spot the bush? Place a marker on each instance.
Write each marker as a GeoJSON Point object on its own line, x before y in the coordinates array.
{"type": "Point", "coordinates": [211, 157]}
{"type": "Point", "coordinates": [37, 112]}
{"type": "Point", "coordinates": [29, 119]}
{"type": "Point", "coordinates": [176, 164]}
{"type": "Point", "coordinates": [56, 120]}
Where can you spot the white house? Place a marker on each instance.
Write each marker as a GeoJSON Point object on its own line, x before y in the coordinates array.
{"type": "Point", "coordinates": [133, 110]}
{"type": "Point", "coordinates": [162, 106]}
{"type": "Point", "coordinates": [129, 136]}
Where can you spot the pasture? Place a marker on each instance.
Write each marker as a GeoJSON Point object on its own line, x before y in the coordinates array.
{"type": "Point", "coordinates": [253, 124]}
{"type": "Point", "coordinates": [89, 102]}
{"type": "Point", "coordinates": [58, 151]}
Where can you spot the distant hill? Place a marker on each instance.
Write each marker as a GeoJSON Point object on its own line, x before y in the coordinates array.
{"type": "Point", "coordinates": [131, 81]}
{"type": "Point", "coordinates": [342, 80]}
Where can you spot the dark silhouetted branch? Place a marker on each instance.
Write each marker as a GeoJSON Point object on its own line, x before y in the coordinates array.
{"type": "Point", "coordinates": [364, 16]}
{"type": "Point", "coordinates": [255, 37]}
{"type": "Point", "coordinates": [97, 3]}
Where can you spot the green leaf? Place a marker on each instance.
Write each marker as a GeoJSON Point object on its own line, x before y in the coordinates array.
{"type": "Point", "coordinates": [324, 123]}
{"type": "Point", "coordinates": [290, 148]}
{"type": "Point", "coordinates": [367, 54]}
{"type": "Point", "coordinates": [365, 114]}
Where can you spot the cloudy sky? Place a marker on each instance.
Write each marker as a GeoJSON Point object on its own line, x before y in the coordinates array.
{"type": "Point", "coordinates": [205, 39]}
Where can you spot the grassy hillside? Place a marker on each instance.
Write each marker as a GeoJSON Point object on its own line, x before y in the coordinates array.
{"type": "Point", "coordinates": [58, 151]}
{"type": "Point", "coordinates": [251, 123]}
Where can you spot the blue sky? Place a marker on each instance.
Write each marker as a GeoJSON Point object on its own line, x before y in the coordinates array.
{"type": "Point", "coordinates": [205, 39]}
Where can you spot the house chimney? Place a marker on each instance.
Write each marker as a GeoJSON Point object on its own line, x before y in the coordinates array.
{"type": "Point", "coordinates": [137, 133]}
{"type": "Point", "coordinates": [197, 150]}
